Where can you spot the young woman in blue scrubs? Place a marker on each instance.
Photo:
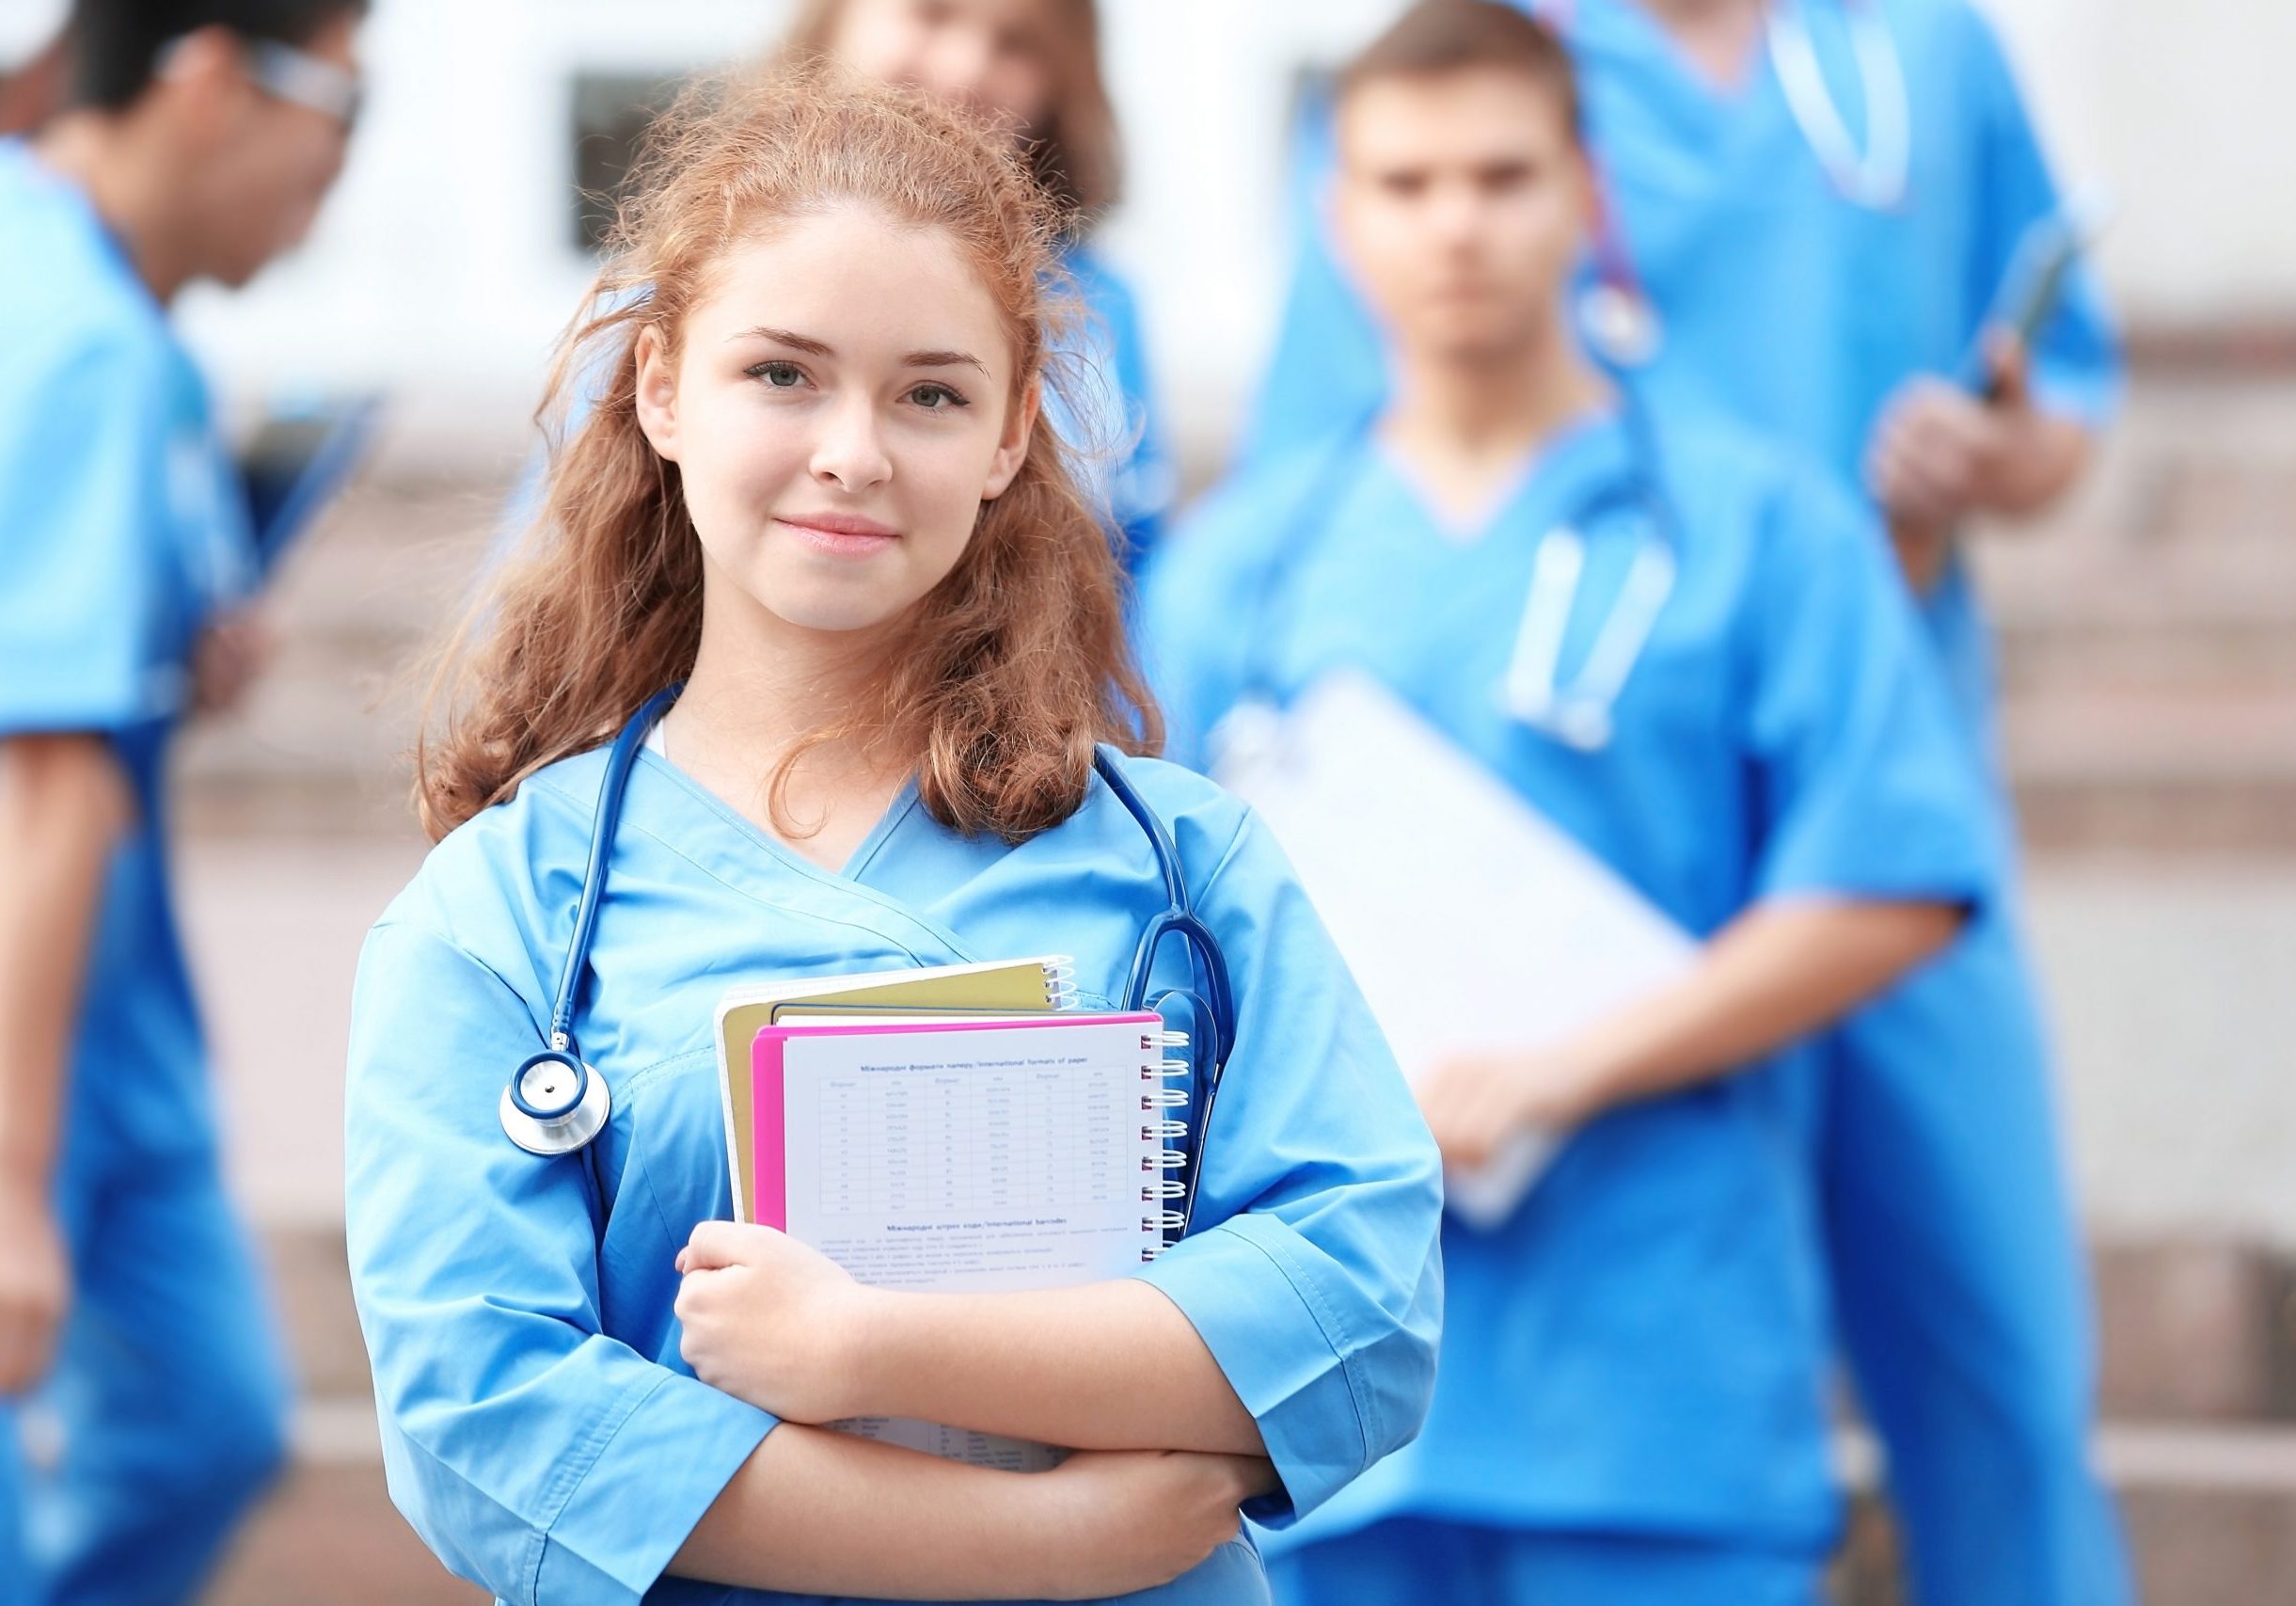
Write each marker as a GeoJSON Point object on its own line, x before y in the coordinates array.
{"type": "Point", "coordinates": [1631, 1401]}
{"type": "Point", "coordinates": [820, 492]}
{"type": "Point", "coordinates": [1793, 288]}
{"type": "Point", "coordinates": [130, 1298]}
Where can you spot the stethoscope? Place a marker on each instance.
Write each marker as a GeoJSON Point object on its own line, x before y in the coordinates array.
{"type": "Point", "coordinates": [558, 1104]}
{"type": "Point", "coordinates": [1578, 714]}
{"type": "Point", "coordinates": [1615, 310]}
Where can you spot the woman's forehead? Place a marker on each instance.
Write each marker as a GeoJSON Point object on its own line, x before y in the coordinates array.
{"type": "Point", "coordinates": [849, 277]}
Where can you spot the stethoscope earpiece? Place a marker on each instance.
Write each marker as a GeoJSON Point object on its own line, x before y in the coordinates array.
{"type": "Point", "coordinates": [555, 1103]}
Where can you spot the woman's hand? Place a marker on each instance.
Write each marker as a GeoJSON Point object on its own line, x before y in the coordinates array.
{"type": "Point", "coordinates": [772, 1322]}
{"type": "Point", "coordinates": [1121, 1521]}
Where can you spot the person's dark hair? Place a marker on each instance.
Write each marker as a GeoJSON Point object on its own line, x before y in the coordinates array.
{"type": "Point", "coordinates": [1439, 37]}
{"type": "Point", "coordinates": [115, 44]}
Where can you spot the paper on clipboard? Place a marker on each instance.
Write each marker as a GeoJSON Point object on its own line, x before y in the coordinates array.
{"type": "Point", "coordinates": [1469, 919]}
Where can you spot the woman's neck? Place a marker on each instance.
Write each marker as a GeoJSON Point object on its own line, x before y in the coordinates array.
{"type": "Point", "coordinates": [1465, 426]}
{"type": "Point", "coordinates": [760, 688]}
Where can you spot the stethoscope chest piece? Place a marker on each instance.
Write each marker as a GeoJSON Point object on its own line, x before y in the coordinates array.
{"type": "Point", "coordinates": [555, 1105]}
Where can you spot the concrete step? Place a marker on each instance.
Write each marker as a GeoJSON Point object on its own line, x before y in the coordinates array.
{"type": "Point", "coordinates": [2210, 1518]}
{"type": "Point", "coordinates": [2140, 768]}
{"type": "Point", "coordinates": [328, 1534]}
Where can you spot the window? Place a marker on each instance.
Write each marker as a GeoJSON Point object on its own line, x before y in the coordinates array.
{"type": "Point", "coordinates": [610, 114]}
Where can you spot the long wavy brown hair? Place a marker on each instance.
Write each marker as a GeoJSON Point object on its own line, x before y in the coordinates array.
{"type": "Point", "coordinates": [1006, 674]}
{"type": "Point", "coordinates": [1073, 151]}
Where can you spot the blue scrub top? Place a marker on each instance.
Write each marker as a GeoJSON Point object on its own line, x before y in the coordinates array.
{"type": "Point", "coordinates": [122, 529]}
{"type": "Point", "coordinates": [540, 1429]}
{"type": "Point", "coordinates": [1641, 1347]}
{"type": "Point", "coordinates": [1784, 306]}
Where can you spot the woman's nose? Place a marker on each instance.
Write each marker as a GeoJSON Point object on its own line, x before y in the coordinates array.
{"type": "Point", "coordinates": [851, 450]}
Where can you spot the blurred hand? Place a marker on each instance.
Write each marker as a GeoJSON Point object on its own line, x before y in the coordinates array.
{"type": "Point", "coordinates": [1475, 1104]}
{"type": "Point", "coordinates": [1941, 454]}
{"type": "Point", "coordinates": [1131, 1519]}
{"type": "Point", "coordinates": [232, 652]}
{"type": "Point", "coordinates": [773, 1322]}
{"type": "Point", "coordinates": [34, 1284]}
{"type": "Point", "coordinates": [1922, 552]}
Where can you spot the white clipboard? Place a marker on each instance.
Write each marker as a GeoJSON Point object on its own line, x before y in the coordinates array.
{"type": "Point", "coordinates": [1469, 919]}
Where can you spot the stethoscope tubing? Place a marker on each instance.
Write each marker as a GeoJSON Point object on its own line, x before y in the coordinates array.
{"type": "Point", "coordinates": [1577, 714]}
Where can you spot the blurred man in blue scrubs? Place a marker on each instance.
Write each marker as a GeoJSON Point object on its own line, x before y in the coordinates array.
{"type": "Point", "coordinates": [196, 141]}
{"type": "Point", "coordinates": [1814, 210]}
{"type": "Point", "coordinates": [1687, 655]}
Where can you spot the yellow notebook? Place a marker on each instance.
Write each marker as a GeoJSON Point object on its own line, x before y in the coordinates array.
{"type": "Point", "coordinates": [1004, 987]}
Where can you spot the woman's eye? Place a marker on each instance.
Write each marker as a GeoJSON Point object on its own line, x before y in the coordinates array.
{"type": "Point", "coordinates": [935, 398]}
{"type": "Point", "coordinates": [780, 375]}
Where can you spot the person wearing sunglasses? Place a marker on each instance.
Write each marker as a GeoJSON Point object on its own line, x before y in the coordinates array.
{"type": "Point", "coordinates": [195, 141]}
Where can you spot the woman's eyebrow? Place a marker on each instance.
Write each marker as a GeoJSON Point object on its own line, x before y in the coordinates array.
{"type": "Point", "coordinates": [784, 337]}
{"type": "Point", "coordinates": [796, 341]}
{"type": "Point", "coordinates": [944, 359]}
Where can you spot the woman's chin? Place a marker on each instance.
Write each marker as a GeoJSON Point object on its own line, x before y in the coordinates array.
{"type": "Point", "coordinates": [835, 609]}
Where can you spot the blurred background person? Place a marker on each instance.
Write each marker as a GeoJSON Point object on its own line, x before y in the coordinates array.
{"type": "Point", "coordinates": [1816, 213]}
{"type": "Point", "coordinates": [1729, 706]}
{"type": "Point", "coordinates": [195, 141]}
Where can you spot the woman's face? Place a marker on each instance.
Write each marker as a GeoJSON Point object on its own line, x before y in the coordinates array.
{"type": "Point", "coordinates": [991, 54]}
{"type": "Point", "coordinates": [840, 406]}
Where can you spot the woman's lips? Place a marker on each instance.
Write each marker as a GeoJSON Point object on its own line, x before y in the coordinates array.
{"type": "Point", "coordinates": [839, 534]}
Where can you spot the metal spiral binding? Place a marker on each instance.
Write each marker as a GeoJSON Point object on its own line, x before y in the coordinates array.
{"type": "Point", "coordinates": [1163, 1225]}
{"type": "Point", "coordinates": [1060, 983]}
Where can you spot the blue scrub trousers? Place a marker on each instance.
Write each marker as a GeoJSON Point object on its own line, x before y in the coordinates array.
{"type": "Point", "coordinates": [1959, 1274]}
{"type": "Point", "coordinates": [169, 1387]}
{"type": "Point", "coordinates": [1417, 1558]}
{"type": "Point", "coordinates": [1960, 1287]}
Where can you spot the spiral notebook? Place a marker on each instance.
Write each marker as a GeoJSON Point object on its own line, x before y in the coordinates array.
{"type": "Point", "coordinates": [972, 1155]}
{"type": "Point", "coordinates": [1004, 987]}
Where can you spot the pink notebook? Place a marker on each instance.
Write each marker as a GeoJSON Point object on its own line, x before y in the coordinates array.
{"type": "Point", "coordinates": [1038, 1104]}
{"type": "Point", "coordinates": [977, 1155]}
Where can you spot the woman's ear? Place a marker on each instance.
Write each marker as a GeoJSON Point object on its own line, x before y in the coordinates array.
{"type": "Point", "coordinates": [656, 393]}
{"type": "Point", "coordinates": [1012, 450]}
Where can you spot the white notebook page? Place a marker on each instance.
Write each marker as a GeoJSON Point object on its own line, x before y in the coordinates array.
{"type": "Point", "coordinates": [984, 1160]}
